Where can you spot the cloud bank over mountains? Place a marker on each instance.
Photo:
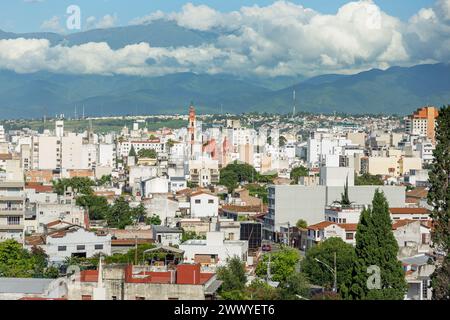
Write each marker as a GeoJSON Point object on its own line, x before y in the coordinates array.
{"type": "Point", "coordinates": [282, 39]}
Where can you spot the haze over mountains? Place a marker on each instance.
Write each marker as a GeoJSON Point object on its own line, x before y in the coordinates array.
{"type": "Point", "coordinates": [397, 90]}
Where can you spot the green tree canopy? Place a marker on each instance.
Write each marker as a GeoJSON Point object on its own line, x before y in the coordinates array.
{"type": "Point", "coordinates": [132, 152]}
{"type": "Point", "coordinates": [120, 215]}
{"type": "Point", "coordinates": [17, 262]}
{"type": "Point", "coordinates": [147, 153]}
{"type": "Point", "coordinates": [376, 247]}
{"type": "Point", "coordinates": [319, 274]}
{"type": "Point", "coordinates": [367, 179]}
{"type": "Point", "coordinates": [104, 180]}
{"type": "Point", "coordinates": [234, 279]}
{"type": "Point", "coordinates": [97, 206]}
{"type": "Point", "coordinates": [298, 172]}
{"type": "Point", "coordinates": [282, 264]}
{"type": "Point", "coordinates": [301, 224]}
{"type": "Point", "coordinates": [260, 290]}
{"type": "Point", "coordinates": [236, 173]}
{"type": "Point", "coordinates": [295, 287]}
{"type": "Point", "coordinates": [83, 185]}
{"type": "Point", "coordinates": [439, 199]}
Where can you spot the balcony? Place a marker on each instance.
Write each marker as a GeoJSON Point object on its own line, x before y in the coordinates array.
{"type": "Point", "coordinates": [11, 213]}
{"type": "Point", "coordinates": [15, 227]}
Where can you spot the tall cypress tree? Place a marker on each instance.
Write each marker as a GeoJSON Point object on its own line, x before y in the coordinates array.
{"type": "Point", "coordinates": [376, 246]}
{"type": "Point", "coordinates": [439, 198]}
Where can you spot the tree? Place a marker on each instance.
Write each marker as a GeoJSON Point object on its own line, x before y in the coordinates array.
{"type": "Point", "coordinates": [119, 216]}
{"type": "Point", "coordinates": [282, 264]}
{"type": "Point", "coordinates": [301, 224]}
{"type": "Point", "coordinates": [190, 235]}
{"type": "Point", "coordinates": [345, 200]}
{"type": "Point", "coordinates": [282, 141]}
{"type": "Point", "coordinates": [97, 206]}
{"type": "Point", "coordinates": [261, 290]}
{"type": "Point", "coordinates": [234, 279]}
{"type": "Point", "coordinates": [104, 180]}
{"type": "Point", "coordinates": [298, 172]}
{"type": "Point", "coordinates": [131, 255]}
{"type": "Point", "coordinates": [319, 274]}
{"type": "Point", "coordinates": [132, 152]}
{"type": "Point", "coordinates": [15, 262]}
{"type": "Point", "coordinates": [367, 179]}
{"type": "Point", "coordinates": [139, 213]}
{"type": "Point", "coordinates": [170, 143]}
{"type": "Point", "coordinates": [82, 185]}
{"type": "Point", "coordinates": [236, 173]}
{"type": "Point", "coordinates": [376, 249]}
{"type": "Point", "coordinates": [147, 153]}
{"type": "Point", "coordinates": [153, 220]}
{"type": "Point", "coordinates": [295, 287]}
{"type": "Point", "coordinates": [439, 199]}
{"type": "Point", "coordinates": [261, 192]}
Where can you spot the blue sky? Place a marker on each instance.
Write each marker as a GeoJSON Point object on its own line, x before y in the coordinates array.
{"type": "Point", "coordinates": [28, 15]}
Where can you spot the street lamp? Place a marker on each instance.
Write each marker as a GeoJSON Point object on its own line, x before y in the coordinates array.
{"type": "Point", "coordinates": [333, 271]}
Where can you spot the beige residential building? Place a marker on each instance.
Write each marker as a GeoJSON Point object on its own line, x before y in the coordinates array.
{"type": "Point", "coordinates": [46, 153]}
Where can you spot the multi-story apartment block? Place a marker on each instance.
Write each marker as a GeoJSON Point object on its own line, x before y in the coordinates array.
{"type": "Point", "coordinates": [204, 172]}
{"type": "Point", "coordinates": [12, 210]}
{"type": "Point", "coordinates": [422, 122]}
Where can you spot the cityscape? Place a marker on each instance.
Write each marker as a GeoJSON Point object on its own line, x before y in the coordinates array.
{"type": "Point", "coordinates": [221, 178]}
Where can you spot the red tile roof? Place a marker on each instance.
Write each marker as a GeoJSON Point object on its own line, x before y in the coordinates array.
{"type": "Point", "coordinates": [409, 211]}
{"type": "Point", "coordinates": [39, 188]}
{"type": "Point", "coordinates": [348, 226]}
{"type": "Point", "coordinates": [320, 225]}
{"type": "Point", "coordinates": [401, 223]}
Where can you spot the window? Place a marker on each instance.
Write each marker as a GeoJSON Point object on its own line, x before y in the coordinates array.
{"type": "Point", "coordinates": [198, 201]}
{"type": "Point", "coordinates": [425, 288]}
{"type": "Point", "coordinates": [62, 248]}
{"type": "Point", "coordinates": [114, 297]}
{"type": "Point", "coordinates": [86, 297]}
{"type": "Point", "coordinates": [210, 201]}
{"type": "Point", "coordinates": [140, 298]}
{"type": "Point", "coordinates": [81, 247]}
{"type": "Point", "coordinates": [349, 236]}
{"type": "Point", "coordinates": [344, 220]}
{"type": "Point", "coordinates": [98, 247]}
{"type": "Point", "coordinates": [13, 221]}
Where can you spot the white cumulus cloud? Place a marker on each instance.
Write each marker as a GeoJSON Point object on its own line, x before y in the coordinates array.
{"type": "Point", "coordinates": [279, 39]}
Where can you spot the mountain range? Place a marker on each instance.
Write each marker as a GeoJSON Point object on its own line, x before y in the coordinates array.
{"type": "Point", "coordinates": [398, 90]}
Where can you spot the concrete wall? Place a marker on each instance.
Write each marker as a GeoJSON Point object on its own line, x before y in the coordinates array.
{"type": "Point", "coordinates": [294, 202]}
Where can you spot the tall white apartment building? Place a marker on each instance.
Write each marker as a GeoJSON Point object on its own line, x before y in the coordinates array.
{"type": "Point", "coordinates": [71, 151]}
{"type": "Point", "coordinates": [106, 155]}
{"type": "Point", "coordinates": [46, 152]}
{"type": "Point", "coordinates": [2, 134]}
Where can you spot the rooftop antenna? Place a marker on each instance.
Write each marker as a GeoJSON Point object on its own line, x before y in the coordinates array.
{"type": "Point", "coordinates": [75, 112]}
{"type": "Point", "coordinates": [83, 111]}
